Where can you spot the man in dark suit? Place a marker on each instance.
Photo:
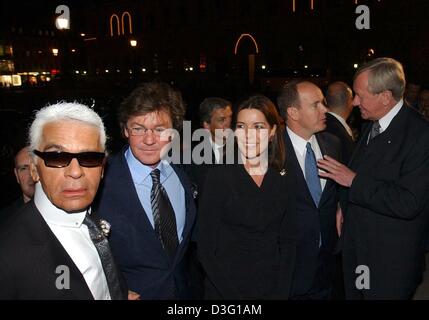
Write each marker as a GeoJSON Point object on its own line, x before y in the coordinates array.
{"type": "Point", "coordinates": [148, 200]}
{"type": "Point", "coordinates": [385, 200]}
{"type": "Point", "coordinates": [53, 248]}
{"type": "Point", "coordinates": [339, 99]}
{"type": "Point", "coordinates": [424, 103]}
{"type": "Point", "coordinates": [25, 181]}
{"type": "Point", "coordinates": [215, 117]}
{"type": "Point", "coordinates": [301, 103]}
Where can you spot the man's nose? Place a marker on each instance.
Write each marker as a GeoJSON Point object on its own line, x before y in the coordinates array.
{"type": "Point", "coordinates": [356, 101]}
{"type": "Point", "coordinates": [74, 169]}
{"type": "Point", "coordinates": [149, 137]}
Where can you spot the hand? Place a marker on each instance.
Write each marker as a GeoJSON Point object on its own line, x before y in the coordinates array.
{"type": "Point", "coordinates": [336, 171]}
{"type": "Point", "coordinates": [133, 295]}
{"type": "Point", "coordinates": [339, 220]}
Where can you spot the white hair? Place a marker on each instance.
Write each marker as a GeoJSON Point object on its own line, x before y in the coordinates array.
{"type": "Point", "coordinates": [64, 111]}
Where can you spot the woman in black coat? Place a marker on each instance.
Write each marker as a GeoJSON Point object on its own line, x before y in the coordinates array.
{"type": "Point", "coordinates": [245, 231]}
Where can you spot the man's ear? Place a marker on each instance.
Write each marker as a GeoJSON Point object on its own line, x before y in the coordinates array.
{"type": "Point", "coordinates": [33, 172]}
{"type": "Point", "coordinates": [292, 113]}
{"type": "Point", "coordinates": [206, 125]}
{"type": "Point", "coordinates": [126, 133]}
{"type": "Point", "coordinates": [16, 175]}
{"type": "Point", "coordinates": [386, 96]}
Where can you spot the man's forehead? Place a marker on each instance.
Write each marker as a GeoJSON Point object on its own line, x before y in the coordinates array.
{"type": "Point", "coordinates": [70, 135]}
{"type": "Point", "coordinates": [23, 157]}
{"type": "Point", "coordinates": [153, 118]}
{"type": "Point", "coordinates": [310, 92]}
{"type": "Point", "coordinates": [222, 111]}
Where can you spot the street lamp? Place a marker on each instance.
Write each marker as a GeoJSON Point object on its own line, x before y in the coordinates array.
{"type": "Point", "coordinates": [134, 67]}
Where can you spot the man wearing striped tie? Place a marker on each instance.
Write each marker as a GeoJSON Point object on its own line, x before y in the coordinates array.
{"type": "Point", "coordinates": [147, 199]}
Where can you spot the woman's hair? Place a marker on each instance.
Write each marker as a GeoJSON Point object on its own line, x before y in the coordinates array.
{"type": "Point", "coordinates": [276, 147]}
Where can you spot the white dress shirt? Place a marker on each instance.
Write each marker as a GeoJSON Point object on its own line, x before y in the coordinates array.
{"type": "Point", "coordinates": [343, 122]}
{"type": "Point", "coordinates": [387, 119]}
{"type": "Point", "coordinates": [300, 148]}
{"type": "Point", "coordinates": [74, 237]}
{"type": "Point", "coordinates": [216, 149]}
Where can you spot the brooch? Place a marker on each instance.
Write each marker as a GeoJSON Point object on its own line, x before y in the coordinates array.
{"type": "Point", "coordinates": [283, 172]}
{"type": "Point", "coordinates": [105, 227]}
{"type": "Point", "coordinates": [194, 190]}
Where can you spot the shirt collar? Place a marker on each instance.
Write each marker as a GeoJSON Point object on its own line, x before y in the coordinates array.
{"type": "Point", "coordinates": [53, 214]}
{"type": "Point", "coordinates": [387, 119]}
{"type": "Point", "coordinates": [342, 121]}
{"type": "Point", "coordinates": [140, 172]}
{"type": "Point", "coordinates": [299, 143]}
{"type": "Point", "coordinates": [214, 145]}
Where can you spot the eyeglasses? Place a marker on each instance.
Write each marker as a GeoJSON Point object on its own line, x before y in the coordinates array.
{"type": "Point", "coordinates": [60, 159]}
{"type": "Point", "coordinates": [141, 131]}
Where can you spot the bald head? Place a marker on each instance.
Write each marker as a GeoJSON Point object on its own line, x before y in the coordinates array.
{"type": "Point", "coordinates": [22, 173]}
{"type": "Point", "coordinates": [339, 98]}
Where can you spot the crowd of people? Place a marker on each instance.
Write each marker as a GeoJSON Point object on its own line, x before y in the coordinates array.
{"type": "Point", "coordinates": [290, 202]}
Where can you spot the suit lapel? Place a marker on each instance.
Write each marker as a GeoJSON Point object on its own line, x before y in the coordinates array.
{"type": "Point", "coordinates": [361, 145]}
{"type": "Point", "coordinates": [326, 149]}
{"type": "Point", "coordinates": [293, 165]}
{"type": "Point", "coordinates": [52, 254]}
{"type": "Point", "coordinates": [131, 202]}
{"type": "Point", "coordinates": [189, 202]}
{"type": "Point", "coordinates": [391, 136]}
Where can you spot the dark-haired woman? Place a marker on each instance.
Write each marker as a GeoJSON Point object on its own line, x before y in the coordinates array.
{"type": "Point", "coordinates": [245, 232]}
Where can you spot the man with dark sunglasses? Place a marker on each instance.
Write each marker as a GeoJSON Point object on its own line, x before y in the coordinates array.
{"type": "Point", "coordinates": [149, 199]}
{"type": "Point", "coordinates": [55, 248]}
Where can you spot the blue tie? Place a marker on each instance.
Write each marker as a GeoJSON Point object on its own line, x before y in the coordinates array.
{"type": "Point", "coordinates": [312, 175]}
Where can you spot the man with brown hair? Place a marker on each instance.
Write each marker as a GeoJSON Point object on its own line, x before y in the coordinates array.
{"type": "Point", "coordinates": [147, 199]}
{"type": "Point", "coordinates": [302, 105]}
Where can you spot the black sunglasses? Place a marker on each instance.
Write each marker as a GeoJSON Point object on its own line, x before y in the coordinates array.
{"type": "Point", "coordinates": [60, 159]}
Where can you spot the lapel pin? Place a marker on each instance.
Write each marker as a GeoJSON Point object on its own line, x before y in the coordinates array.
{"type": "Point", "coordinates": [282, 172]}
